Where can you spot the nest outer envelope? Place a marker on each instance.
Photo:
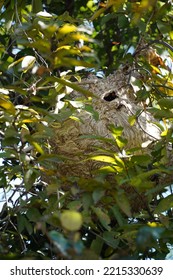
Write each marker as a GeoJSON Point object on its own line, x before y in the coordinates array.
{"type": "Point", "coordinates": [115, 103]}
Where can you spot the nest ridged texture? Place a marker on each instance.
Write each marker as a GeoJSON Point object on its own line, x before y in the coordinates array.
{"type": "Point", "coordinates": [115, 102]}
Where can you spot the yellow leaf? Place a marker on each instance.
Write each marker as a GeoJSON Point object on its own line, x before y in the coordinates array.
{"type": "Point", "coordinates": [31, 120]}
{"type": "Point", "coordinates": [79, 36]}
{"type": "Point", "coordinates": [24, 132]}
{"type": "Point", "coordinates": [171, 34]}
{"type": "Point", "coordinates": [154, 224]}
{"type": "Point", "coordinates": [167, 89]}
{"type": "Point", "coordinates": [15, 62]}
{"type": "Point", "coordinates": [119, 162]}
{"type": "Point", "coordinates": [156, 69]}
{"type": "Point", "coordinates": [26, 62]}
{"type": "Point", "coordinates": [165, 132]}
{"type": "Point", "coordinates": [37, 147]}
{"type": "Point", "coordinates": [104, 159]}
{"type": "Point", "coordinates": [7, 105]}
{"type": "Point", "coordinates": [67, 28]}
{"type": "Point", "coordinates": [64, 48]}
{"type": "Point", "coordinates": [48, 172]}
{"type": "Point", "coordinates": [71, 220]}
{"type": "Point", "coordinates": [108, 169]}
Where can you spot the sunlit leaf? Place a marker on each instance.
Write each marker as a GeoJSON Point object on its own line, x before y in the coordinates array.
{"type": "Point", "coordinates": [103, 158]}
{"type": "Point", "coordinates": [67, 28]}
{"type": "Point", "coordinates": [155, 69]}
{"type": "Point", "coordinates": [15, 62]}
{"type": "Point", "coordinates": [77, 104]}
{"type": "Point", "coordinates": [7, 105]}
{"type": "Point", "coordinates": [116, 131]}
{"type": "Point", "coordinates": [132, 120]}
{"type": "Point", "coordinates": [27, 62]}
{"type": "Point", "coordinates": [79, 36]}
{"type": "Point", "coordinates": [35, 144]}
{"type": "Point", "coordinates": [71, 85]}
{"type": "Point", "coordinates": [44, 14]}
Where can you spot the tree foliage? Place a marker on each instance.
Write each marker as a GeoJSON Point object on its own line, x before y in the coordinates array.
{"type": "Point", "coordinates": [46, 48]}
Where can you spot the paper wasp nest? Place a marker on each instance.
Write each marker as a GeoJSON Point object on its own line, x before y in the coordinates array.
{"type": "Point", "coordinates": [115, 103]}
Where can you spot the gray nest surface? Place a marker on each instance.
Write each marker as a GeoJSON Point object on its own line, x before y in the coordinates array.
{"type": "Point", "coordinates": [115, 103]}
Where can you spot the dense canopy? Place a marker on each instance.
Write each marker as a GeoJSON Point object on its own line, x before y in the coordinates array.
{"type": "Point", "coordinates": [69, 71]}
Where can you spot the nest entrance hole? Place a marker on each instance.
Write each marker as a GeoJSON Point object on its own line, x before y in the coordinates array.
{"type": "Point", "coordinates": [110, 96]}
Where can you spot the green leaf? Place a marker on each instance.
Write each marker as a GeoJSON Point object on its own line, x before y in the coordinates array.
{"type": "Point", "coordinates": [98, 194]}
{"type": "Point", "coordinates": [91, 110]}
{"type": "Point", "coordinates": [1, 3]}
{"type": "Point", "coordinates": [36, 6]}
{"type": "Point", "coordinates": [142, 180]}
{"type": "Point", "coordinates": [145, 160]}
{"type": "Point", "coordinates": [132, 120]}
{"type": "Point", "coordinates": [97, 14]}
{"type": "Point", "coordinates": [164, 205]}
{"type": "Point", "coordinates": [33, 214]}
{"type": "Point", "coordinates": [166, 102]}
{"type": "Point", "coordinates": [20, 222]}
{"type": "Point", "coordinates": [23, 223]}
{"type": "Point", "coordinates": [163, 26]}
{"type": "Point", "coordinates": [87, 201]}
{"type": "Point", "coordinates": [29, 178]}
{"type": "Point", "coordinates": [97, 245]}
{"type": "Point", "coordinates": [118, 215]}
{"type": "Point", "coordinates": [15, 62]}
{"type": "Point", "coordinates": [123, 203]}
{"type": "Point", "coordinates": [28, 227]}
{"type": "Point", "coordinates": [71, 85]}
{"type": "Point", "coordinates": [103, 217]}
{"type": "Point", "coordinates": [109, 238]}
{"type": "Point", "coordinates": [116, 131]}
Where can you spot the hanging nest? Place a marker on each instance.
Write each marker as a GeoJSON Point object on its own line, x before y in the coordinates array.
{"type": "Point", "coordinates": [78, 140]}
{"type": "Point", "coordinates": [115, 103]}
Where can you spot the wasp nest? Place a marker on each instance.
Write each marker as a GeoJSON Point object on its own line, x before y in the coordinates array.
{"type": "Point", "coordinates": [115, 102]}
